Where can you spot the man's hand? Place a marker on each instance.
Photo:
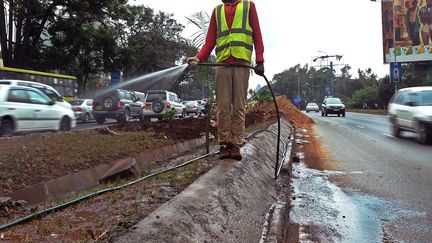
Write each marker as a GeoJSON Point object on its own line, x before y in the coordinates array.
{"type": "Point", "coordinates": [259, 69]}
{"type": "Point", "coordinates": [193, 61]}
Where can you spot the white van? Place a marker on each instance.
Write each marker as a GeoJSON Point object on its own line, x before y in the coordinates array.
{"type": "Point", "coordinates": [46, 89]}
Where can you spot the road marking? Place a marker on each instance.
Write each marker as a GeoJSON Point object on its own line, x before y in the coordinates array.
{"type": "Point", "coordinates": [388, 135]}
{"type": "Point", "coordinates": [361, 127]}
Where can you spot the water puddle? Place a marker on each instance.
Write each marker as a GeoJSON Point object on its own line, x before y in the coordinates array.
{"type": "Point", "coordinates": [324, 212]}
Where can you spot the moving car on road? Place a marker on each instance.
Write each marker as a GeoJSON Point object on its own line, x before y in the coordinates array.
{"type": "Point", "coordinates": [410, 109]}
{"type": "Point", "coordinates": [118, 104]}
{"type": "Point", "coordinates": [83, 109]}
{"type": "Point", "coordinates": [46, 89]}
{"type": "Point", "coordinates": [159, 102]}
{"type": "Point", "coordinates": [312, 107]}
{"type": "Point", "coordinates": [332, 106]}
{"type": "Point", "coordinates": [26, 109]}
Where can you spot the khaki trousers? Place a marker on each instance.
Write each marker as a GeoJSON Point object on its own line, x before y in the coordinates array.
{"type": "Point", "coordinates": [231, 92]}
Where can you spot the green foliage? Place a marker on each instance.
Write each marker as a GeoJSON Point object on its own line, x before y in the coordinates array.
{"type": "Point", "coordinates": [261, 96]}
{"type": "Point", "coordinates": [169, 115]}
{"type": "Point", "coordinates": [90, 38]}
{"type": "Point", "coordinates": [367, 95]}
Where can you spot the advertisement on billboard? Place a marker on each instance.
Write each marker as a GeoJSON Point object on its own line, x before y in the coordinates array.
{"type": "Point", "coordinates": [407, 28]}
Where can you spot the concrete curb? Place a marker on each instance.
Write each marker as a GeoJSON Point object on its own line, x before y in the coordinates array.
{"type": "Point", "coordinates": [227, 204]}
{"type": "Point", "coordinates": [89, 178]}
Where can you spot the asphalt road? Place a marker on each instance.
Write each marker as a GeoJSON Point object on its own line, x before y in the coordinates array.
{"type": "Point", "coordinates": [391, 177]}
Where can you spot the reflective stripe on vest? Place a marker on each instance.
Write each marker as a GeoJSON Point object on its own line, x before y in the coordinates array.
{"type": "Point", "coordinates": [237, 42]}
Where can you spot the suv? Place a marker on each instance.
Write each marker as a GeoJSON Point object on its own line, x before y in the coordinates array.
{"type": "Point", "coordinates": [158, 102]}
{"type": "Point", "coordinates": [46, 89]}
{"type": "Point", "coordinates": [332, 106]}
{"type": "Point", "coordinates": [410, 109]}
{"type": "Point", "coordinates": [25, 109]}
{"type": "Point", "coordinates": [118, 104]}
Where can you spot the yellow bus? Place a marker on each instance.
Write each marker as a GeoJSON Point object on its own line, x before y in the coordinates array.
{"type": "Point", "coordinates": [66, 85]}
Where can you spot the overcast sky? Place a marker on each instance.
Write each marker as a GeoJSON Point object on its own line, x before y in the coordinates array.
{"type": "Point", "coordinates": [296, 31]}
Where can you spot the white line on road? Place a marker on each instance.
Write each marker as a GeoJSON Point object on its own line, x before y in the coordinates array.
{"type": "Point", "coordinates": [388, 135]}
{"type": "Point", "coordinates": [361, 127]}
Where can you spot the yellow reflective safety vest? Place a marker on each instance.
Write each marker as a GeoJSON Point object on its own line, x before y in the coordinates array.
{"type": "Point", "coordinates": [237, 42]}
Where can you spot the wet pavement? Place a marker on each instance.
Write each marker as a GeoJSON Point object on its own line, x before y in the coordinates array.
{"type": "Point", "coordinates": [327, 206]}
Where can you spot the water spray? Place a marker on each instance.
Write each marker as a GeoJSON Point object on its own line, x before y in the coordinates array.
{"type": "Point", "coordinates": [278, 164]}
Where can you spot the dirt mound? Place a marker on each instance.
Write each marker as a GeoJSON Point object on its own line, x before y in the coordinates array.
{"type": "Point", "coordinates": [184, 129]}
{"type": "Point", "coordinates": [289, 111]}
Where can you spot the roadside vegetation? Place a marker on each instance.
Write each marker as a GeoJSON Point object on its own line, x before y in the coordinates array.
{"type": "Point", "coordinates": [366, 91]}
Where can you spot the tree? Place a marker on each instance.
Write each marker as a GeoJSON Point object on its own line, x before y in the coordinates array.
{"type": "Point", "coordinates": [201, 20]}
{"type": "Point", "coordinates": [26, 30]}
{"type": "Point", "coordinates": [154, 43]}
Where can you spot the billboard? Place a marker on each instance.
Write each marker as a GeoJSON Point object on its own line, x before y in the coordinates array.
{"type": "Point", "coordinates": [407, 28]}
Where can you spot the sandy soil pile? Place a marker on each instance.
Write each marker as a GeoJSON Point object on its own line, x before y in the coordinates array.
{"type": "Point", "coordinates": [288, 109]}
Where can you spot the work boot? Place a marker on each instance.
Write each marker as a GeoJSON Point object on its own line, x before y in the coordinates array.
{"type": "Point", "coordinates": [235, 153]}
{"type": "Point", "coordinates": [224, 151]}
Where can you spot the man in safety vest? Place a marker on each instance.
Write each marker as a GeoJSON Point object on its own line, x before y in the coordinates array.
{"type": "Point", "coordinates": [234, 30]}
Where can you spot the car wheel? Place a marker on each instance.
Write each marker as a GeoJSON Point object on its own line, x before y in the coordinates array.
{"type": "Point", "coordinates": [343, 114]}
{"type": "Point", "coordinates": [339, 114]}
{"type": "Point", "coordinates": [158, 106]}
{"type": "Point", "coordinates": [423, 136]}
{"type": "Point", "coordinates": [183, 114]}
{"type": "Point", "coordinates": [65, 124]}
{"type": "Point", "coordinates": [109, 102]}
{"type": "Point", "coordinates": [322, 113]}
{"type": "Point", "coordinates": [127, 115]}
{"type": "Point", "coordinates": [6, 128]}
{"type": "Point", "coordinates": [307, 111]}
{"type": "Point", "coordinates": [86, 117]}
{"type": "Point", "coordinates": [395, 130]}
{"type": "Point", "coordinates": [326, 114]}
{"type": "Point", "coordinates": [100, 120]}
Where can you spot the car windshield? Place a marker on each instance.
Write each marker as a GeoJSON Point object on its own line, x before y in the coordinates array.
{"type": "Point", "coordinates": [312, 104]}
{"type": "Point", "coordinates": [76, 102]}
{"type": "Point", "coordinates": [425, 98]}
{"type": "Point", "coordinates": [334, 101]}
{"type": "Point", "coordinates": [156, 96]}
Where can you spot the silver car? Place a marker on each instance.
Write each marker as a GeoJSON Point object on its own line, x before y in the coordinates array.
{"type": "Point", "coordinates": [410, 109]}
{"type": "Point", "coordinates": [312, 107]}
{"type": "Point", "coordinates": [193, 106]}
{"type": "Point", "coordinates": [83, 109]}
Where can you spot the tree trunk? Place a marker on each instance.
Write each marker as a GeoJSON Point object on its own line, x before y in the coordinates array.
{"type": "Point", "coordinates": [3, 35]}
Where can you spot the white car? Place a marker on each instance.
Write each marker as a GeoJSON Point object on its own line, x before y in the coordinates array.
{"type": "Point", "coordinates": [410, 109]}
{"type": "Point", "coordinates": [25, 109]}
{"type": "Point", "coordinates": [312, 107]}
{"type": "Point", "coordinates": [158, 102]}
{"type": "Point", "coordinates": [46, 89]}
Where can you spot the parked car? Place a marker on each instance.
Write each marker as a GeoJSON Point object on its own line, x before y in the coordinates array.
{"type": "Point", "coordinates": [410, 109]}
{"type": "Point", "coordinates": [332, 106]}
{"type": "Point", "coordinates": [193, 106]}
{"type": "Point", "coordinates": [312, 107]}
{"type": "Point", "coordinates": [46, 89]}
{"type": "Point", "coordinates": [118, 104]}
{"type": "Point", "coordinates": [26, 109]}
{"type": "Point", "coordinates": [83, 109]}
{"type": "Point", "coordinates": [158, 102]}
